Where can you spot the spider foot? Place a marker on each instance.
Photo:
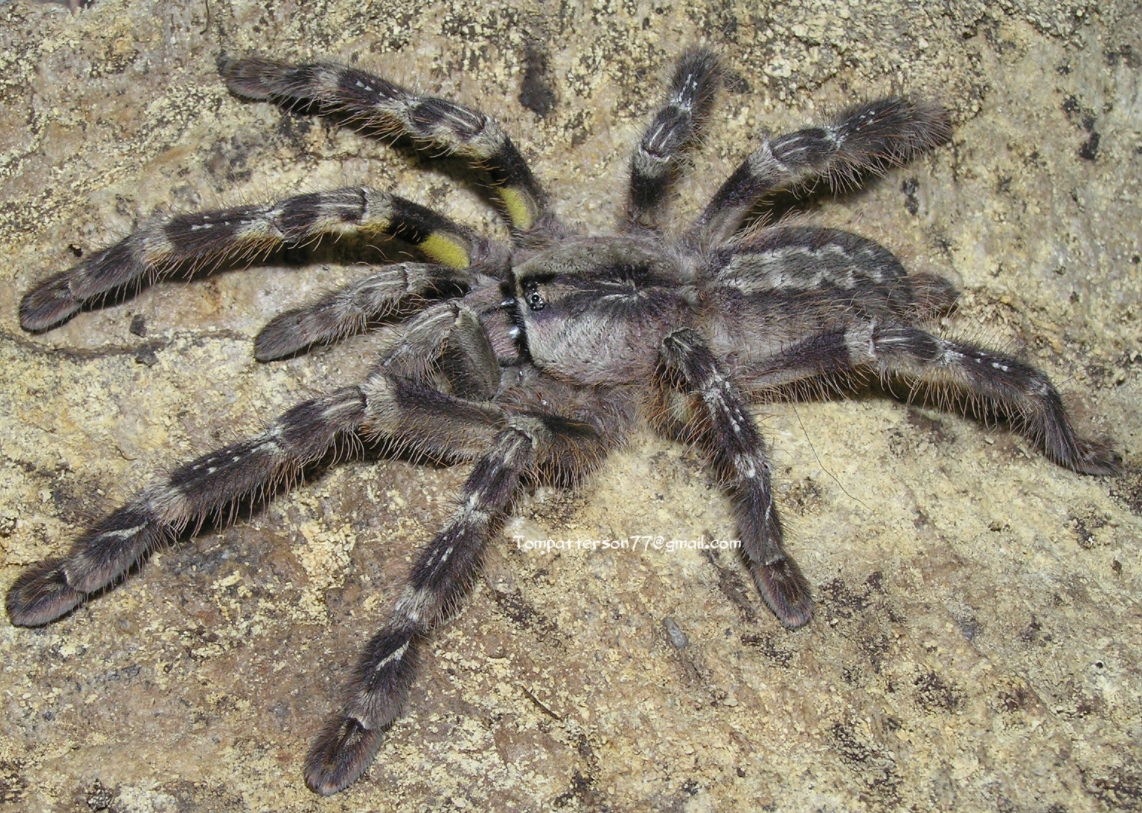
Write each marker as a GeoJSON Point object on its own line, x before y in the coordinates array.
{"type": "Point", "coordinates": [1094, 457]}
{"type": "Point", "coordinates": [285, 335]}
{"type": "Point", "coordinates": [42, 594]}
{"type": "Point", "coordinates": [48, 304]}
{"type": "Point", "coordinates": [786, 591]}
{"type": "Point", "coordinates": [341, 753]}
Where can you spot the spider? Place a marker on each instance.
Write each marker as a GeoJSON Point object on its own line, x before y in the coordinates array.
{"type": "Point", "coordinates": [532, 360]}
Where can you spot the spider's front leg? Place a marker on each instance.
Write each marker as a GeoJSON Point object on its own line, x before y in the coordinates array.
{"type": "Point", "coordinates": [739, 455]}
{"type": "Point", "coordinates": [208, 240]}
{"type": "Point", "coordinates": [449, 348]}
{"type": "Point", "coordinates": [517, 442]}
{"type": "Point", "coordinates": [209, 486]}
{"type": "Point", "coordinates": [376, 104]}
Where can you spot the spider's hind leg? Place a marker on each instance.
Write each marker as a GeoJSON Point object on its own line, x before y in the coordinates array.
{"type": "Point", "coordinates": [1006, 385]}
{"type": "Point", "coordinates": [868, 138]}
{"type": "Point", "coordinates": [999, 384]}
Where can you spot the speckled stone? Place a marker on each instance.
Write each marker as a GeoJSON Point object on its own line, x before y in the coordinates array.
{"type": "Point", "coordinates": [978, 634]}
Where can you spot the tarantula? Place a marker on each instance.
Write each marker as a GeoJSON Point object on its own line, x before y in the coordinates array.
{"type": "Point", "coordinates": [533, 360]}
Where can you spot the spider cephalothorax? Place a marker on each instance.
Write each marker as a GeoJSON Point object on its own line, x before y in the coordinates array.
{"type": "Point", "coordinates": [533, 360]}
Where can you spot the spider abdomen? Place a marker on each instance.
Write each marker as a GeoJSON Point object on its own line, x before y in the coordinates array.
{"type": "Point", "coordinates": [783, 284]}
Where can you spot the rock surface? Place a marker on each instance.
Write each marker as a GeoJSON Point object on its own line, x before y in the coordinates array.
{"type": "Point", "coordinates": [977, 640]}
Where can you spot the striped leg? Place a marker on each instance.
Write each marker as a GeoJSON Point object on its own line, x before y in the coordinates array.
{"type": "Point", "coordinates": [389, 406]}
{"type": "Point", "coordinates": [210, 485]}
{"type": "Point", "coordinates": [871, 137]}
{"type": "Point", "coordinates": [208, 239]}
{"type": "Point", "coordinates": [656, 162]}
{"type": "Point", "coordinates": [377, 104]}
{"type": "Point", "coordinates": [1003, 385]}
{"type": "Point", "coordinates": [997, 383]}
{"type": "Point", "coordinates": [439, 577]}
{"type": "Point", "coordinates": [740, 457]}
{"type": "Point", "coordinates": [402, 412]}
{"type": "Point", "coordinates": [351, 309]}
{"type": "Point", "coordinates": [447, 348]}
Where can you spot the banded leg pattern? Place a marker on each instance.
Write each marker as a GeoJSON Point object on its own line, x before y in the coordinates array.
{"type": "Point", "coordinates": [374, 103]}
{"type": "Point", "coordinates": [212, 485]}
{"type": "Point", "coordinates": [417, 417]}
{"type": "Point", "coordinates": [439, 577]}
{"type": "Point", "coordinates": [740, 457]}
{"type": "Point", "coordinates": [351, 309]}
{"type": "Point", "coordinates": [997, 383]}
{"type": "Point", "coordinates": [447, 347]}
{"type": "Point", "coordinates": [656, 162]}
{"type": "Point", "coordinates": [205, 240]}
{"type": "Point", "coordinates": [872, 137]}
{"type": "Point", "coordinates": [1002, 384]}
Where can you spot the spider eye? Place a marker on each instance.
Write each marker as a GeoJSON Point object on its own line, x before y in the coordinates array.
{"type": "Point", "coordinates": [532, 296]}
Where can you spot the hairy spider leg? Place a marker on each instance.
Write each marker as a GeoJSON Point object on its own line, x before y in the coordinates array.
{"type": "Point", "coordinates": [508, 444]}
{"type": "Point", "coordinates": [997, 382]}
{"type": "Point", "coordinates": [448, 339]}
{"type": "Point", "coordinates": [376, 104]}
{"type": "Point", "coordinates": [657, 161]}
{"type": "Point", "coordinates": [211, 485]}
{"type": "Point", "coordinates": [439, 577]}
{"type": "Point", "coordinates": [351, 309]}
{"type": "Point", "coordinates": [789, 286]}
{"type": "Point", "coordinates": [205, 240]}
{"type": "Point", "coordinates": [739, 456]}
{"type": "Point", "coordinates": [871, 137]}
{"type": "Point", "coordinates": [837, 305]}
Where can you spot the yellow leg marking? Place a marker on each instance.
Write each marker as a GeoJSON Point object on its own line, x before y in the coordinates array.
{"type": "Point", "coordinates": [518, 208]}
{"type": "Point", "coordinates": [372, 224]}
{"type": "Point", "coordinates": [445, 250]}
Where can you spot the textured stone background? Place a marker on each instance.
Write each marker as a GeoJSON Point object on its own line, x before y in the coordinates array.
{"type": "Point", "coordinates": [978, 633]}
